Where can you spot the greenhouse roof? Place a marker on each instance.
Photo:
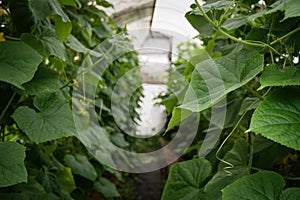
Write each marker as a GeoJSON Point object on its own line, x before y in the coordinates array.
{"type": "Point", "coordinates": [166, 15]}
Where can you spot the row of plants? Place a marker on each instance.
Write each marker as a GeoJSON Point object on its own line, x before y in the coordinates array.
{"type": "Point", "coordinates": [43, 47]}
{"type": "Point", "coordinates": [244, 85]}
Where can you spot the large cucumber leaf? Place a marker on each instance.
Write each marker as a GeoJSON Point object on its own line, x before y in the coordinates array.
{"type": "Point", "coordinates": [264, 185]}
{"type": "Point", "coordinates": [46, 43]}
{"type": "Point", "coordinates": [18, 63]}
{"type": "Point", "coordinates": [212, 80]}
{"type": "Point", "coordinates": [277, 118]}
{"type": "Point", "coordinates": [186, 180]}
{"type": "Point", "coordinates": [12, 166]}
{"type": "Point", "coordinates": [54, 119]}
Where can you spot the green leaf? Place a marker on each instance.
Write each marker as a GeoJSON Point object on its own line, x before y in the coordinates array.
{"type": "Point", "coordinates": [44, 8]}
{"type": "Point", "coordinates": [63, 29]}
{"type": "Point", "coordinates": [238, 157]}
{"type": "Point", "coordinates": [80, 165]}
{"type": "Point", "coordinates": [289, 7]}
{"type": "Point", "coordinates": [30, 196]}
{"type": "Point", "coordinates": [74, 44]}
{"type": "Point", "coordinates": [18, 63]}
{"type": "Point", "coordinates": [186, 180]}
{"type": "Point", "coordinates": [46, 43]}
{"type": "Point", "coordinates": [107, 188]}
{"type": "Point", "coordinates": [54, 119]}
{"type": "Point", "coordinates": [66, 180]}
{"type": "Point", "coordinates": [119, 139]}
{"type": "Point", "coordinates": [249, 103]}
{"type": "Point", "coordinates": [291, 194]}
{"type": "Point", "coordinates": [273, 76]}
{"type": "Point", "coordinates": [199, 23]}
{"type": "Point", "coordinates": [277, 118]}
{"type": "Point", "coordinates": [68, 3]}
{"type": "Point", "coordinates": [212, 80]}
{"type": "Point", "coordinates": [264, 185]}
{"type": "Point", "coordinates": [230, 108]}
{"type": "Point", "coordinates": [48, 180]}
{"type": "Point", "coordinates": [235, 23]}
{"type": "Point", "coordinates": [104, 3]}
{"type": "Point", "coordinates": [45, 80]}
{"type": "Point", "coordinates": [12, 166]}
{"type": "Point", "coordinates": [178, 115]}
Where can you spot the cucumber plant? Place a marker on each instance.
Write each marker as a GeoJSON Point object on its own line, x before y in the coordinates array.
{"type": "Point", "coordinates": [42, 47]}
{"type": "Point", "coordinates": [250, 51]}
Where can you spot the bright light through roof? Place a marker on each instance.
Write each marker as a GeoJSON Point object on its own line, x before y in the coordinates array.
{"type": "Point", "coordinates": [169, 16]}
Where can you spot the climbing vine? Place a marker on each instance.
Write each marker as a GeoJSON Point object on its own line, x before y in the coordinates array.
{"type": "Point", "coordinates": [247, 67]}
{"type": "Point", "coordinates": [42, 50]}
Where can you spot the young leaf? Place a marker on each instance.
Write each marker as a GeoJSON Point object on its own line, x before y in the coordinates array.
{"type": "Point", "coordinates": [80, 165]}
{"type": "Point", "coordinates": [63, 29]}
{"type": "Point", "coordinates": [212, 80]}
{"type": "Point", "coordinates": [107, 188]}
{"type": "Point", "coordinates": [178, 115]}
{"type": "Point", "coordinates": [264, 185]}
{"type": "Point", "coordinates": [54, 119]}
{"type": "Point", "coordinates": [12, 166]}
{"type": "Point", "coordinates": [277, 118]}
{"type": "Point", "coordinates": [186, 180]}
{"type": "Point", "coordinates": [68, 3]}
{"type": "Point", "coordinates": [18, 63]}
{"type": "Point", "coordinates": [199, 23]}
{"type": "Point", "coordinates": [273, 76]}
{"type": "Point", "coordinates": [238, 157]}
{"type": "Point", "coordinates": [66, 180]}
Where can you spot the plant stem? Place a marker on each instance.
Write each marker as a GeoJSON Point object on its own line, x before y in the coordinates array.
{"type": "Point", "coordinates": [250, 151]}
{"type": "Point", "coordinates": [12, 38]}
{"type": "Point", "coordinates": [228, 136]}
{"type": "Point", "coordinates": [285, 36]}
{"type": "Point", "coordinates": [226, 11]}
{"type": "Point", "coordinates": [249, 89]}
{"type": "Point", "coordinates": [292, 178]}
{"type": "Point", "coordinates": [2, 129]}
{"type": "Point", "coordinates": [7, 106]}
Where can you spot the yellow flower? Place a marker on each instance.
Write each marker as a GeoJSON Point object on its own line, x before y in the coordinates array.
{"type": "Point", "coordinates": [75, 82]}
{"type": "Point", "coordinates": [82, 111]}
{"type": "Point", "coordinates": [2, 12]}
{"type": "Point", "coordinates": [2, 39]}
